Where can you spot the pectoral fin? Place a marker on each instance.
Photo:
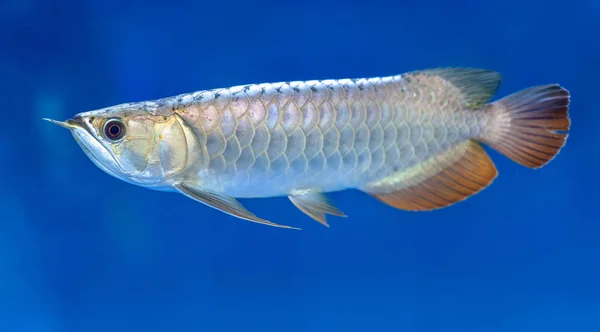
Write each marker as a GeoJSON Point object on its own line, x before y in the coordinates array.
{"type": "Point", "coordinates": [315, 205]}
{"type": "Point", "coordinates": [224, 203]}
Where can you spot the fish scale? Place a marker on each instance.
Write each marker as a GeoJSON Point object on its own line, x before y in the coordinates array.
{"type": "Point", "coordinates": [319, 134]}
{"type": "Point", "coordinates": [411, 140]}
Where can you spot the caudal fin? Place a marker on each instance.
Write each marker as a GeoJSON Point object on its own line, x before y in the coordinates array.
{"type": "Point", "coordinates": [529, 126]}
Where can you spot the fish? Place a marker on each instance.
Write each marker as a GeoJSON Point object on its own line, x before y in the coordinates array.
{"type": "Point", "coordinates": [414, 141]}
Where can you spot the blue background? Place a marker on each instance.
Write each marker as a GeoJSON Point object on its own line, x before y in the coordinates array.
{"type": "Point", "coordinates": [82, 251]}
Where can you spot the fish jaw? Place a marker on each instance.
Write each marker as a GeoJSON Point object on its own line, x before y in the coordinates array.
{"type": "Point", "coordinates": [68, 124]}
{"type": "Point", "coordinates": [92, 148]}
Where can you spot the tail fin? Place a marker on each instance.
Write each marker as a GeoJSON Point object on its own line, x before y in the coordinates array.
{"type": "Point", "coordinates": [529, 125]}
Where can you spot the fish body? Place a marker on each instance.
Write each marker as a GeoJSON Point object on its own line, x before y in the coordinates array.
{"type": "Point", "coordinates": [274, 139]}
{"type": "Point", "coordinates": [411, 140]}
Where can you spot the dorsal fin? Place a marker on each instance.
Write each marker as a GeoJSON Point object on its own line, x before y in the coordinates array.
{"type": "Point", "coordinates": [476, 86]}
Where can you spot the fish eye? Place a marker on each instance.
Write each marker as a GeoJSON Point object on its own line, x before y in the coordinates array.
{"type": "Point", "coordinates": [114, 129]}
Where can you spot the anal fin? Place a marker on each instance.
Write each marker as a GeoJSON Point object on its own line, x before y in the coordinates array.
{"type": "Point", "coordinates": [224, 203]}
{"type": "Point", "coordinates": [315, 205]}
{"type": "Point", "coordinates": [441, 181]}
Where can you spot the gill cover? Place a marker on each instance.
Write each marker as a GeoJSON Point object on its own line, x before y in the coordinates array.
{"type": "Point", "coordinates": [151, 149]}
{"type": "Point", "coordinates": [172, 145]}
{"type": "Point", "coordinates": [133, 150]}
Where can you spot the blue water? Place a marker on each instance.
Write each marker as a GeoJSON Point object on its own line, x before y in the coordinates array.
{"type": "Point", "coordinates": [82, 251]}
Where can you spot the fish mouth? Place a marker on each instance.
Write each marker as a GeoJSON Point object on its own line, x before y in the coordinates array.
{"type": "Point", "coordinates": [75, 125]}
{"type": "Point", "coordinates": [83, 133]}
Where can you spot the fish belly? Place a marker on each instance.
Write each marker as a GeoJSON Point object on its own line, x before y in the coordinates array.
{"type": "Point", "coordinates": [276, 139]}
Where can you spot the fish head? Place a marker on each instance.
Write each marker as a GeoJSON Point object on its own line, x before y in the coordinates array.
{"type": "Point", "coordinates": [130, 143]}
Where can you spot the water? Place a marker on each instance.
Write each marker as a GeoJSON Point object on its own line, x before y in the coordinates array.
{"type": "Point", "coordinates": [82, 251]}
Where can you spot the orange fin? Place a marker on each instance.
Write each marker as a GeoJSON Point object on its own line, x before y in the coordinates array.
{"type": "Point", "coordinates": [531, 124]}
{"type": "Point", "coordinates": [442, 181]}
